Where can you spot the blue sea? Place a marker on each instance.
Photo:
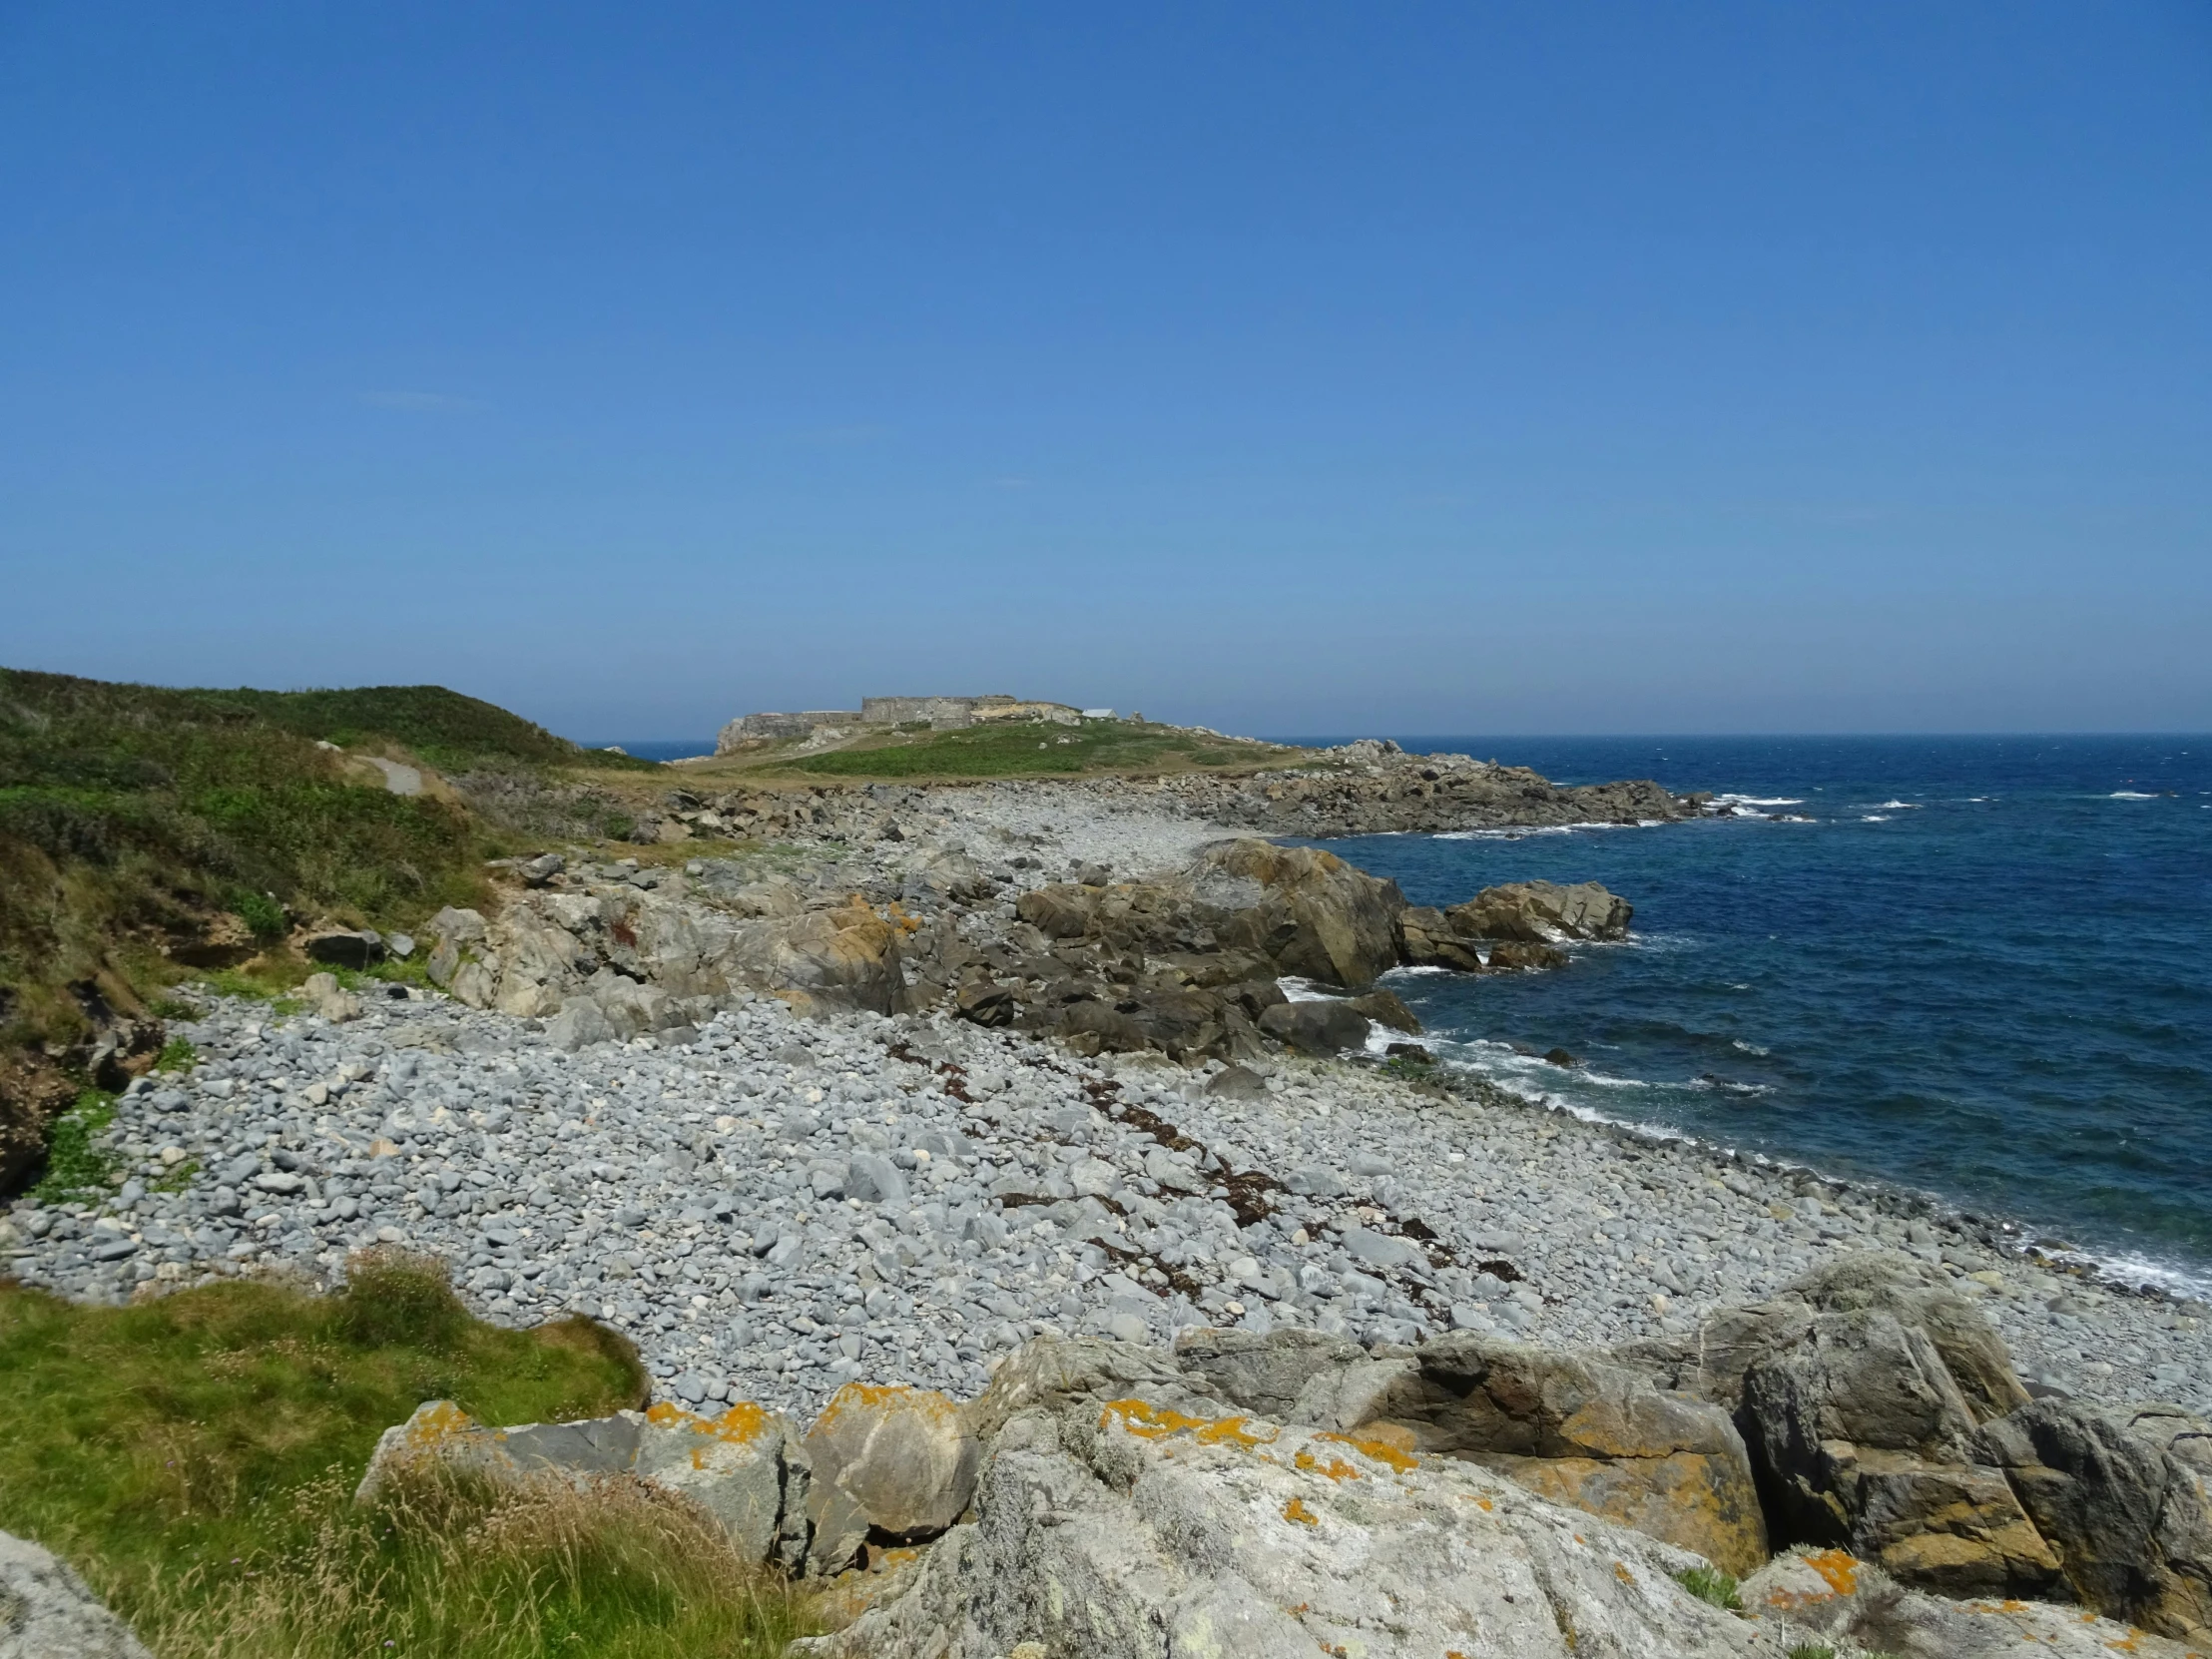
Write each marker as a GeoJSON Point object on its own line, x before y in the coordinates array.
{"type": "Point", "coordinates": [1978, 967]}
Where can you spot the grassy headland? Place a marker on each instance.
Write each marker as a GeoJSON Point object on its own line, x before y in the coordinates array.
{"type": "Point", "coordinates": [1018, 750]}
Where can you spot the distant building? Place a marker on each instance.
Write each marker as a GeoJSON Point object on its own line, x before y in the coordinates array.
{"type": "Point", "coordinates": [1098, 714]}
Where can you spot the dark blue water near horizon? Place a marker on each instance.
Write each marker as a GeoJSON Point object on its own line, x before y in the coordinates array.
{"type": "Point", "coordinates": [1980, 966]}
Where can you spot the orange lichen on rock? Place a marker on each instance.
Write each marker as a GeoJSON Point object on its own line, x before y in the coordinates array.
{"type": "Point", "coordinates": [1621, 1572]}
{"type": "Point", "coordinates": [1839, 1568]}
{"type": "Point", "coordinates": [1295, 1511]}
{"type": "Point", "coordinates": [1336, 1468]}
{"type": "Point", "coordinates": [441, 1420]}
{"type": "Point", "coordinates": [1381, 1451]}
{"type": "Point", "coordinates": [739, 1425]}
{"type": "Point", "coordinates": [1156, 1423]}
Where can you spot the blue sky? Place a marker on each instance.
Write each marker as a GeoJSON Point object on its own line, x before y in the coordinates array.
{"type": "Point", "coordinates": [1286, 367]}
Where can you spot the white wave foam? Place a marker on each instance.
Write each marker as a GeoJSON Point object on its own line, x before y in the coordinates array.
{"type": "Point", "coordinates": [1899, 806]}
{"type": "Point", "coordinates": [1759, 800]}
{"type": "Point", "coordinates": [1750, 1048]}
{"type": "Point", "coordinates": [1876, 817]}
{"type": "Point", "coordinates": [2130, 794]}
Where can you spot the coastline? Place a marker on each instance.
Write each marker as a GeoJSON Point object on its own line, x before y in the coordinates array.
{"type": "Point", "coordinates": [812, 1137]}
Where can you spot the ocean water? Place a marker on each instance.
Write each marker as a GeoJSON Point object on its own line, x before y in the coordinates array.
{"type": "Point", "coordinates": [1979, 967]}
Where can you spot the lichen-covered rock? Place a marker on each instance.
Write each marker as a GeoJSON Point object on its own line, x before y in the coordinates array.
{"type": "Point", "coordinates": [48, 1612]}
{"type": "Point", "coordinates": [740, 1466]}
{"type": "Point", "coordinates": [1135, 1531]}
{"type": "Point", "coordinates": [1846, 1605]}
{"type": "Point", "coordinates": [895, 1460]}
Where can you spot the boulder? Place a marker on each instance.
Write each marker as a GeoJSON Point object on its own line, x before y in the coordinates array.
{"type": "Point", "coordinates": [1136, 1528]}
{"type": "Point", "coordinates": [1865, 1441]}
{"type": "Point", "coordinates": [357, 951]}
{"type": "Point", "coordinates": [743, 1466]}
{"type": "Point", "coordinates": [2124, 1498]}
{"type": "Point", "coordinates": [48, 1612]}
{"type": "Point", "coordinates": [1541, 912]}
{"type": "Point", "coordinates": [1425, 940]}
{"type": "Point", "coordinates": [1508, 955]}
{"type": "Point", "coordinates": [1315, 1026]}
{"type": "Point", "coordinates": [1385, 1008]}
{"type": "Point", "coordinates": [823, 960]}
{"type": "Point", "coordinates": [323, 994]}
{"type": "Point", "coordinates": [1317, 916]}
{"type": "Point", "coordinates": [1848, 1606]}
{"type": "Point", "coordinates": [579, 1024]}
{"type": "Point", "coordinates": [1237, 1083]}
{"type": "Point", "coordinates": [892, 1460]}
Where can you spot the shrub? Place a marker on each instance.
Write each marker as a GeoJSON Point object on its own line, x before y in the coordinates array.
{"type": "Point", "coordinates": [76, 1164]}
{"type": "Point", "coordinates": [263, 916]}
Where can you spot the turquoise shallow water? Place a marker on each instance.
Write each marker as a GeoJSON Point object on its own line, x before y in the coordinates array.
{"type": "Point", "coordinates": [1979, 966]}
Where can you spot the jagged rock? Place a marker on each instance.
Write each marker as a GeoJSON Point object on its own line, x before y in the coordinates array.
{"type": "Point", "coordinates": [1866, 1440]}
{"type": "Point", "coordinates": [1425, 940]}
{"type": "Point", "coordinates": [2124, 1498]}
{"type": "Point", "coordinates": [1237, 1083]}
{"type": "Point", "coordinates": [823, 959]}
{"type": "Point", "coordinates": [894, 1461]}
{"type": "Point", "coordinates": [1315, 1026]}
{"type": "Point", "coordinates": [1317, 916]}
{"type": "Point", "coordinates": [1541, 912]}
{"type": "Point", "coordinates": [1852, 1606]}
{"type": "Point", "coordinates": [48, 1612]}
{"type": "Point", "coordinates": [1134, 1528]}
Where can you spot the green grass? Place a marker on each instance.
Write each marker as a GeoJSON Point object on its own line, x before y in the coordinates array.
{"type": "Point", "coordinates": [194, 1457]}
{"type": "Point", "coordinates": [177, 1055]}
{"type": "Point", "coordinates": [131, 816]}
{"type": "Point", "coordinates": [1013, 750]}
{"type": "Point", "coordinates": [76, 1166]}
{"type": "Point", "coordinates": [1713, 1585]}
{"type": "Point", "coordinates": [1811, 1650]}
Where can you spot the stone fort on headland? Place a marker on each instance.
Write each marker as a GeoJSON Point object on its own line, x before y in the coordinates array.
{"type": "Point", "coordinates": [940, 714]}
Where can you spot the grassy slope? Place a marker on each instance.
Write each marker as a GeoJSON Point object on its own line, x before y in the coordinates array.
{"type": "Point", "coordinates": [195, 1457]}
{"type": "Point", "coordinates": [1036, 750]}
{"type": "Point", "coordinates": [131, 815]}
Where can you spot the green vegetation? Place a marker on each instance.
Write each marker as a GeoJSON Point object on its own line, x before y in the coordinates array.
{"type": "Point", "coordinates": [76, 1164]}
{"type": "Point", "coordinates": [1033, 749]}
{"type": "Point", "coordinates": [442, 727]}
{"type": "Point", "coordinates": [1811, 1650]}
{"type": "Point", "coordinates": [176, 1055]}
{"type": "Point", "coordinates": [194, 1457]}
{"type": "Point", "coordinates": [1713, 1585]}
{"type": "Point", "coordinates": [133, 817]}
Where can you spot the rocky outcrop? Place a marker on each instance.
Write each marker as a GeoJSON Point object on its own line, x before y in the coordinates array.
{"type": "Point", "coordinates": [646, 963]}
{"type": "Point", "coordinates": [895, 1462]}
{"type": "Point", "coordinates": [1575, 1428]}
{"type": "Point", "coordinates": [1850, 1606]}
{"type": "Point", "coordinates": [1541, 912]}
{"type": "Point", "coordinates": [2122, 1498]}
{"type": "Point", "coordinates": [48, 1612]}
{"type": "Point", "coordinates": [1131, 1528]}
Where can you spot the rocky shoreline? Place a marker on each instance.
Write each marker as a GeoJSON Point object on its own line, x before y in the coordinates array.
{"type": "Point", "coordinates": [954, 1071]}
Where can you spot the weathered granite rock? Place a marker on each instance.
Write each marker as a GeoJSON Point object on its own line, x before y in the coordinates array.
{"type": "Point", "coordinates": [823, 960]}
{"type": "Point", "coordinates": [2124, 1498]}
{"type": "Point", "coordinates": [48, 1612]}
{"type": "Point", "coordinates": [894, 1461]}
{"type": "Point", "coordinates": [1385, 1007]}
{"type": "Point", "coordinates": [1135, 1530]}
{"type": "Point", "coordinates": [742, 1466]}
{"type": "Point", "coordinates": [1543, 913]}
{"type": "Point", "coordinates": [1865, 1441]}
{"type": "Point", "coordinates": [1851, 1606]}
{"type": "Point", "coordinates": [1319, 916]}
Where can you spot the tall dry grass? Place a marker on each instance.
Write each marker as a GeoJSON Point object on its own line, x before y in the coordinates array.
{"type": "Point", "coordinates": [449, 1570]}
